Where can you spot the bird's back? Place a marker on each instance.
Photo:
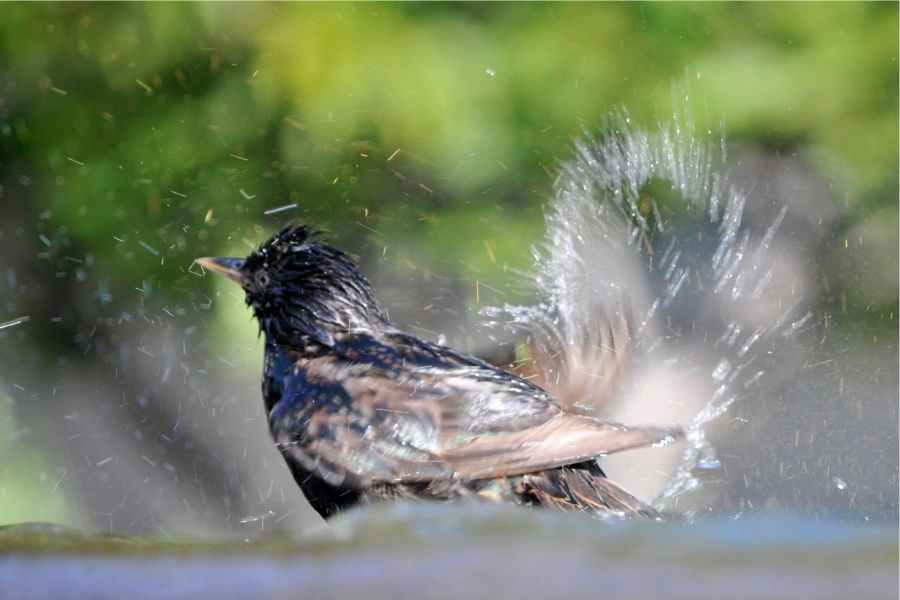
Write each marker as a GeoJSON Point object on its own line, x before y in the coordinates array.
{"type": "Point", "coordinates": [386, 415]}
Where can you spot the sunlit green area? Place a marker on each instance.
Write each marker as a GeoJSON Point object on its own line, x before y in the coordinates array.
{"type": "Point", "coordinates": [29, 487]}
{"type": "Point", "coordinates": [424, 138]}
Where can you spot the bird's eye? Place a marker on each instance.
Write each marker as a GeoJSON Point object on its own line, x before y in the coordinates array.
{"type": "Point", "coordinates": [262, 279]}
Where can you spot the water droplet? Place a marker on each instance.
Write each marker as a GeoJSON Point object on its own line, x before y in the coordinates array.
{"type": "Point", "coordinates": [490, 72]}
{"type": "Point", "coordinates": [708, 461]}
{"type": "Point", "coordinates": [598, 214]}
{"type": "Point", "coordinates": [722, 370]}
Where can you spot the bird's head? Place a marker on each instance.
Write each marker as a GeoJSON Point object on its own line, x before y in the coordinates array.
{"type": "Point", "coordinates": [299, 288]}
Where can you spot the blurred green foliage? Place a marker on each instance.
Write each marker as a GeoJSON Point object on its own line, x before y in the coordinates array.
{"type": "Point", "coordinates": [156, 114]}
{"type": "Point", "coordinates": [140, 136]}
{"type": "Point", "coordinates": [28, 486]}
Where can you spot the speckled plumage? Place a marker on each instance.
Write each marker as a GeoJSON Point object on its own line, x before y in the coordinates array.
{"type": "Point", "coordinates": [363, 412]}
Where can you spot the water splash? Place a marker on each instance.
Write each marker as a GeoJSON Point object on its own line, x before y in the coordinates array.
{"type": "Point", "coordinates": [646, 245]}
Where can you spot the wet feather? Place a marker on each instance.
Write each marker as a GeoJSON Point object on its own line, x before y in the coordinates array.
{"type": "Point", "coordinates": [363, 412]}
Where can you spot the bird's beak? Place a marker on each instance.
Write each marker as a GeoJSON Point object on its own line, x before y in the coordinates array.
{"type": "Point", "coordinates": [229, 267]}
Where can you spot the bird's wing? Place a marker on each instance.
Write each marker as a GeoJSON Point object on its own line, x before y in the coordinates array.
{"type": "Point", "coordinates": [581, 361]}
{"type": "Point", "coordinates": [398, 409]}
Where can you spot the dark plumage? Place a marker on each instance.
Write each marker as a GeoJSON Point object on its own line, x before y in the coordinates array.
{"type": "Point", "coordinates": [363, 412]}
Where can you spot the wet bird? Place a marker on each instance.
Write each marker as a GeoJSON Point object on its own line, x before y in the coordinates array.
{"type": "Point", "coordinates": [364, 412]}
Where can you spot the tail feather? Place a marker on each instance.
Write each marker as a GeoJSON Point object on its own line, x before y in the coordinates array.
{"type": "Point", "coordinates": [584, 488]}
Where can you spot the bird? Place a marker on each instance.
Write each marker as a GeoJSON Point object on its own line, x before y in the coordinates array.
{"type": "Point", "coordinates": [364, 412]}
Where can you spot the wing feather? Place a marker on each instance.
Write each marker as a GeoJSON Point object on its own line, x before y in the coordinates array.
{"type": "Point", "coordinates": [401, 410]}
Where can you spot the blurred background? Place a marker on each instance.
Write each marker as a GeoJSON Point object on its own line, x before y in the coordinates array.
{"type": "Point", "coordinates": [425, 139]}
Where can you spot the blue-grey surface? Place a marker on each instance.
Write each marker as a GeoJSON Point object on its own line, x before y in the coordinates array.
{"type": "Point", "coordinates": [480, 552]}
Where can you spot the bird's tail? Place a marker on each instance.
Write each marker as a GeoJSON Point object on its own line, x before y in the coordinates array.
{"type": "Point", "coordinates": [584, 488]}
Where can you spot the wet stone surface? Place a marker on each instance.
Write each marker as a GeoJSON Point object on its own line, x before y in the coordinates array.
{"type": "Point", "coordinates": [456, 552]}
